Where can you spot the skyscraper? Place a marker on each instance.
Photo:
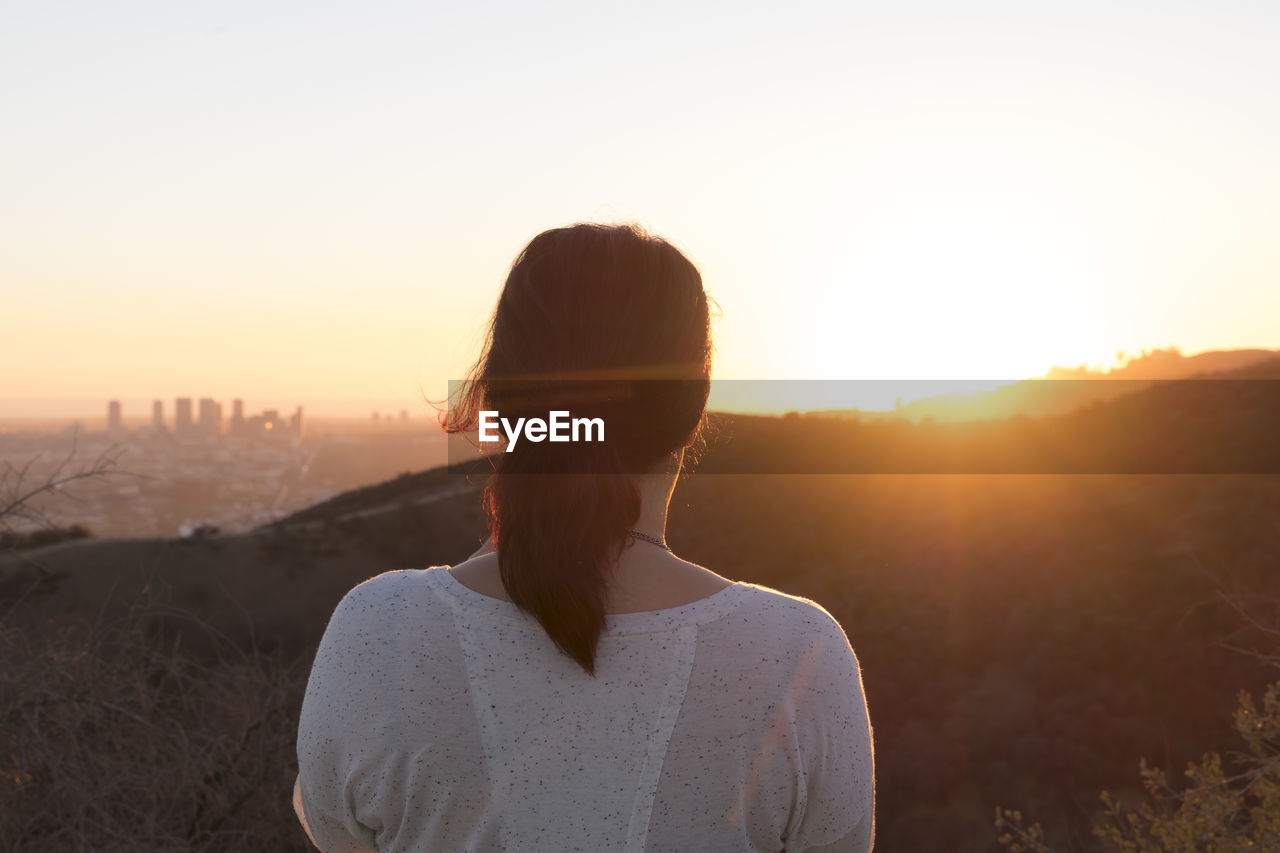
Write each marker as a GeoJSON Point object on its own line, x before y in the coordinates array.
{"type": "Point", "coordinates": [237, 418]}
{"type": "Point", "coordinates": [113, 415]}
{"type": "Point", "coordinates": [295, 423]}
{"type": "Point", "coordinates": [182, 425]}
{"type": "Point", "coordinates": [272, 424]}
{"type": "Point", "coordinates": [210, 417]}
{"type": "Point", "coordinates": [157, 416]}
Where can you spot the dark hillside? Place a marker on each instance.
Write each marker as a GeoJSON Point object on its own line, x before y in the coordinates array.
{"type": "Point", "coordinates": [1225, 425]}
{"type": "Point", "coordinates": [1024, 638]}
{"type": "Point", "coordinates": [278, 583]}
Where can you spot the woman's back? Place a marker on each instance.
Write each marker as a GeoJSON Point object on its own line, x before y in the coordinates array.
{"type": "Point", "coordinates": [439, 718]}
{"type": "Point", "coordinates": [608, 696]}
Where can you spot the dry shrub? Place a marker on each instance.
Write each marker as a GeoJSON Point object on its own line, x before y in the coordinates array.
{"type": "Point", "coordinates": [119, 736]}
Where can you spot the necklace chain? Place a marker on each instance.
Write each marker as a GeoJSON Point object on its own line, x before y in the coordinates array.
{"type": "Point", "coordinates": [653, 540]}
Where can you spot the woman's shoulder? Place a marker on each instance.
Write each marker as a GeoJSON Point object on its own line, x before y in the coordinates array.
{"type": "Point", "coordinates": [768, 618]}
{"type": "Point", "coordinates": [391, 582]}
{"type": "Point", "coordinates": [383, 595]}
{"type": "Point", "coordinates": [796, 609]}
{"type": "Point", "coordinates": [804, 635]}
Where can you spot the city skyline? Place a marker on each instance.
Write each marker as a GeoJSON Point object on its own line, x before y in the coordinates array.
{"type": "Point", "coordinates": [139, 409]}
{"type": "Point", "coordinates": [205, 419]}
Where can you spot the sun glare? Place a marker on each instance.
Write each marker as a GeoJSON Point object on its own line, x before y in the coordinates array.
{"type": "Point", "coordinates": [958, 288]}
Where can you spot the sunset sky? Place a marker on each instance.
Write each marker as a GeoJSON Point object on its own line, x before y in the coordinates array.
{"type": "Point", "coordinates": [317, 202]}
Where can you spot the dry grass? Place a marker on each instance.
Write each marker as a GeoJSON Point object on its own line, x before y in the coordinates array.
{"type": "Point", "coordinates": [118, 736]}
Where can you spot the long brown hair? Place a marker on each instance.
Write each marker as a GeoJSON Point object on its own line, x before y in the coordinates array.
{"type": "Point", "coordinates": [603, 319]}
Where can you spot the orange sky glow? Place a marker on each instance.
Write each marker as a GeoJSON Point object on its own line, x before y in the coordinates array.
{"type": "Point", "coordinates": [300, 205]}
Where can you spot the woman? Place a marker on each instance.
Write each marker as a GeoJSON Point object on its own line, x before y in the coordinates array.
{"type": "Point", "coordinates": [578, 686]}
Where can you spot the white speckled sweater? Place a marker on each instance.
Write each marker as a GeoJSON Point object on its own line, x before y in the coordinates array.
{"type": "Point", "coordinates": [441, 719]}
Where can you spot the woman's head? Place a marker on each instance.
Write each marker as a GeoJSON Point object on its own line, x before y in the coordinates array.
{"type": "Point", "coordinates": [598, 320]}
{"type": "Point", "coordinates": [604, 311]}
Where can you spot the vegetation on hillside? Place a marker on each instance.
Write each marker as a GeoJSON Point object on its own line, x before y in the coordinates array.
{"type": "Point", "coordinates": [118, 737]}
{"type": "Point", "coordinates": [1024, 641]}
{"type": "Point", "coordinates": [1218, 810]}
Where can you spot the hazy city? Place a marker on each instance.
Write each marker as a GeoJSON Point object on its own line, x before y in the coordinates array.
{"type": "Point", "coordinates": [188, 466]}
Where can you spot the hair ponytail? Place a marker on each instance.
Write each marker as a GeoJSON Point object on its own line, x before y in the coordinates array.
{"type": "Point", "coordinates": [593, 319]}
{"type": "Point", "coordinates": [558, 534]}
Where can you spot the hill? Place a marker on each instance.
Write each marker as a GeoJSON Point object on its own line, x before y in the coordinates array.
{"type": "Point", "coordinates": [276, 584]}
{"type": "Point", "coordinates": [1024, 638]}
{"type": "Point", "coordinates": [1225, 423]}
{"type": "Point", "coordinates": [1061, 390]}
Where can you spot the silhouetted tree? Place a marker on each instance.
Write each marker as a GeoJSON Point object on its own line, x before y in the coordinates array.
{"type": "Point", "coordinates": [20, 494]}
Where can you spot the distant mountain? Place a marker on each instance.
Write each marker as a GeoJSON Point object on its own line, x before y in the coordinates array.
{"type": "Point", "coordinates": [1063, 389]}
{"type": "Point", "coordinates": [1226, 424]}
{"type": "Point", "coordinates": [1169, 364]}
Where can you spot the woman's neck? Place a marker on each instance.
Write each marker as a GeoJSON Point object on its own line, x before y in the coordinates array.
{"type": "Point", "coordinates": [655, 496]}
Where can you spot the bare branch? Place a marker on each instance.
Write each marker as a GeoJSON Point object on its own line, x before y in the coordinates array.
{"type": "Point", "coordinates": [17, 499]}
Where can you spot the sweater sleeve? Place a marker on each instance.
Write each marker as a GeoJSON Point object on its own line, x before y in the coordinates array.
{"type": "Point", "coordinates": [331, 765]}
{"type": "Point", "coordinates": [335, 836]}
{"type": "Point", "coordinates": [836, 811]}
